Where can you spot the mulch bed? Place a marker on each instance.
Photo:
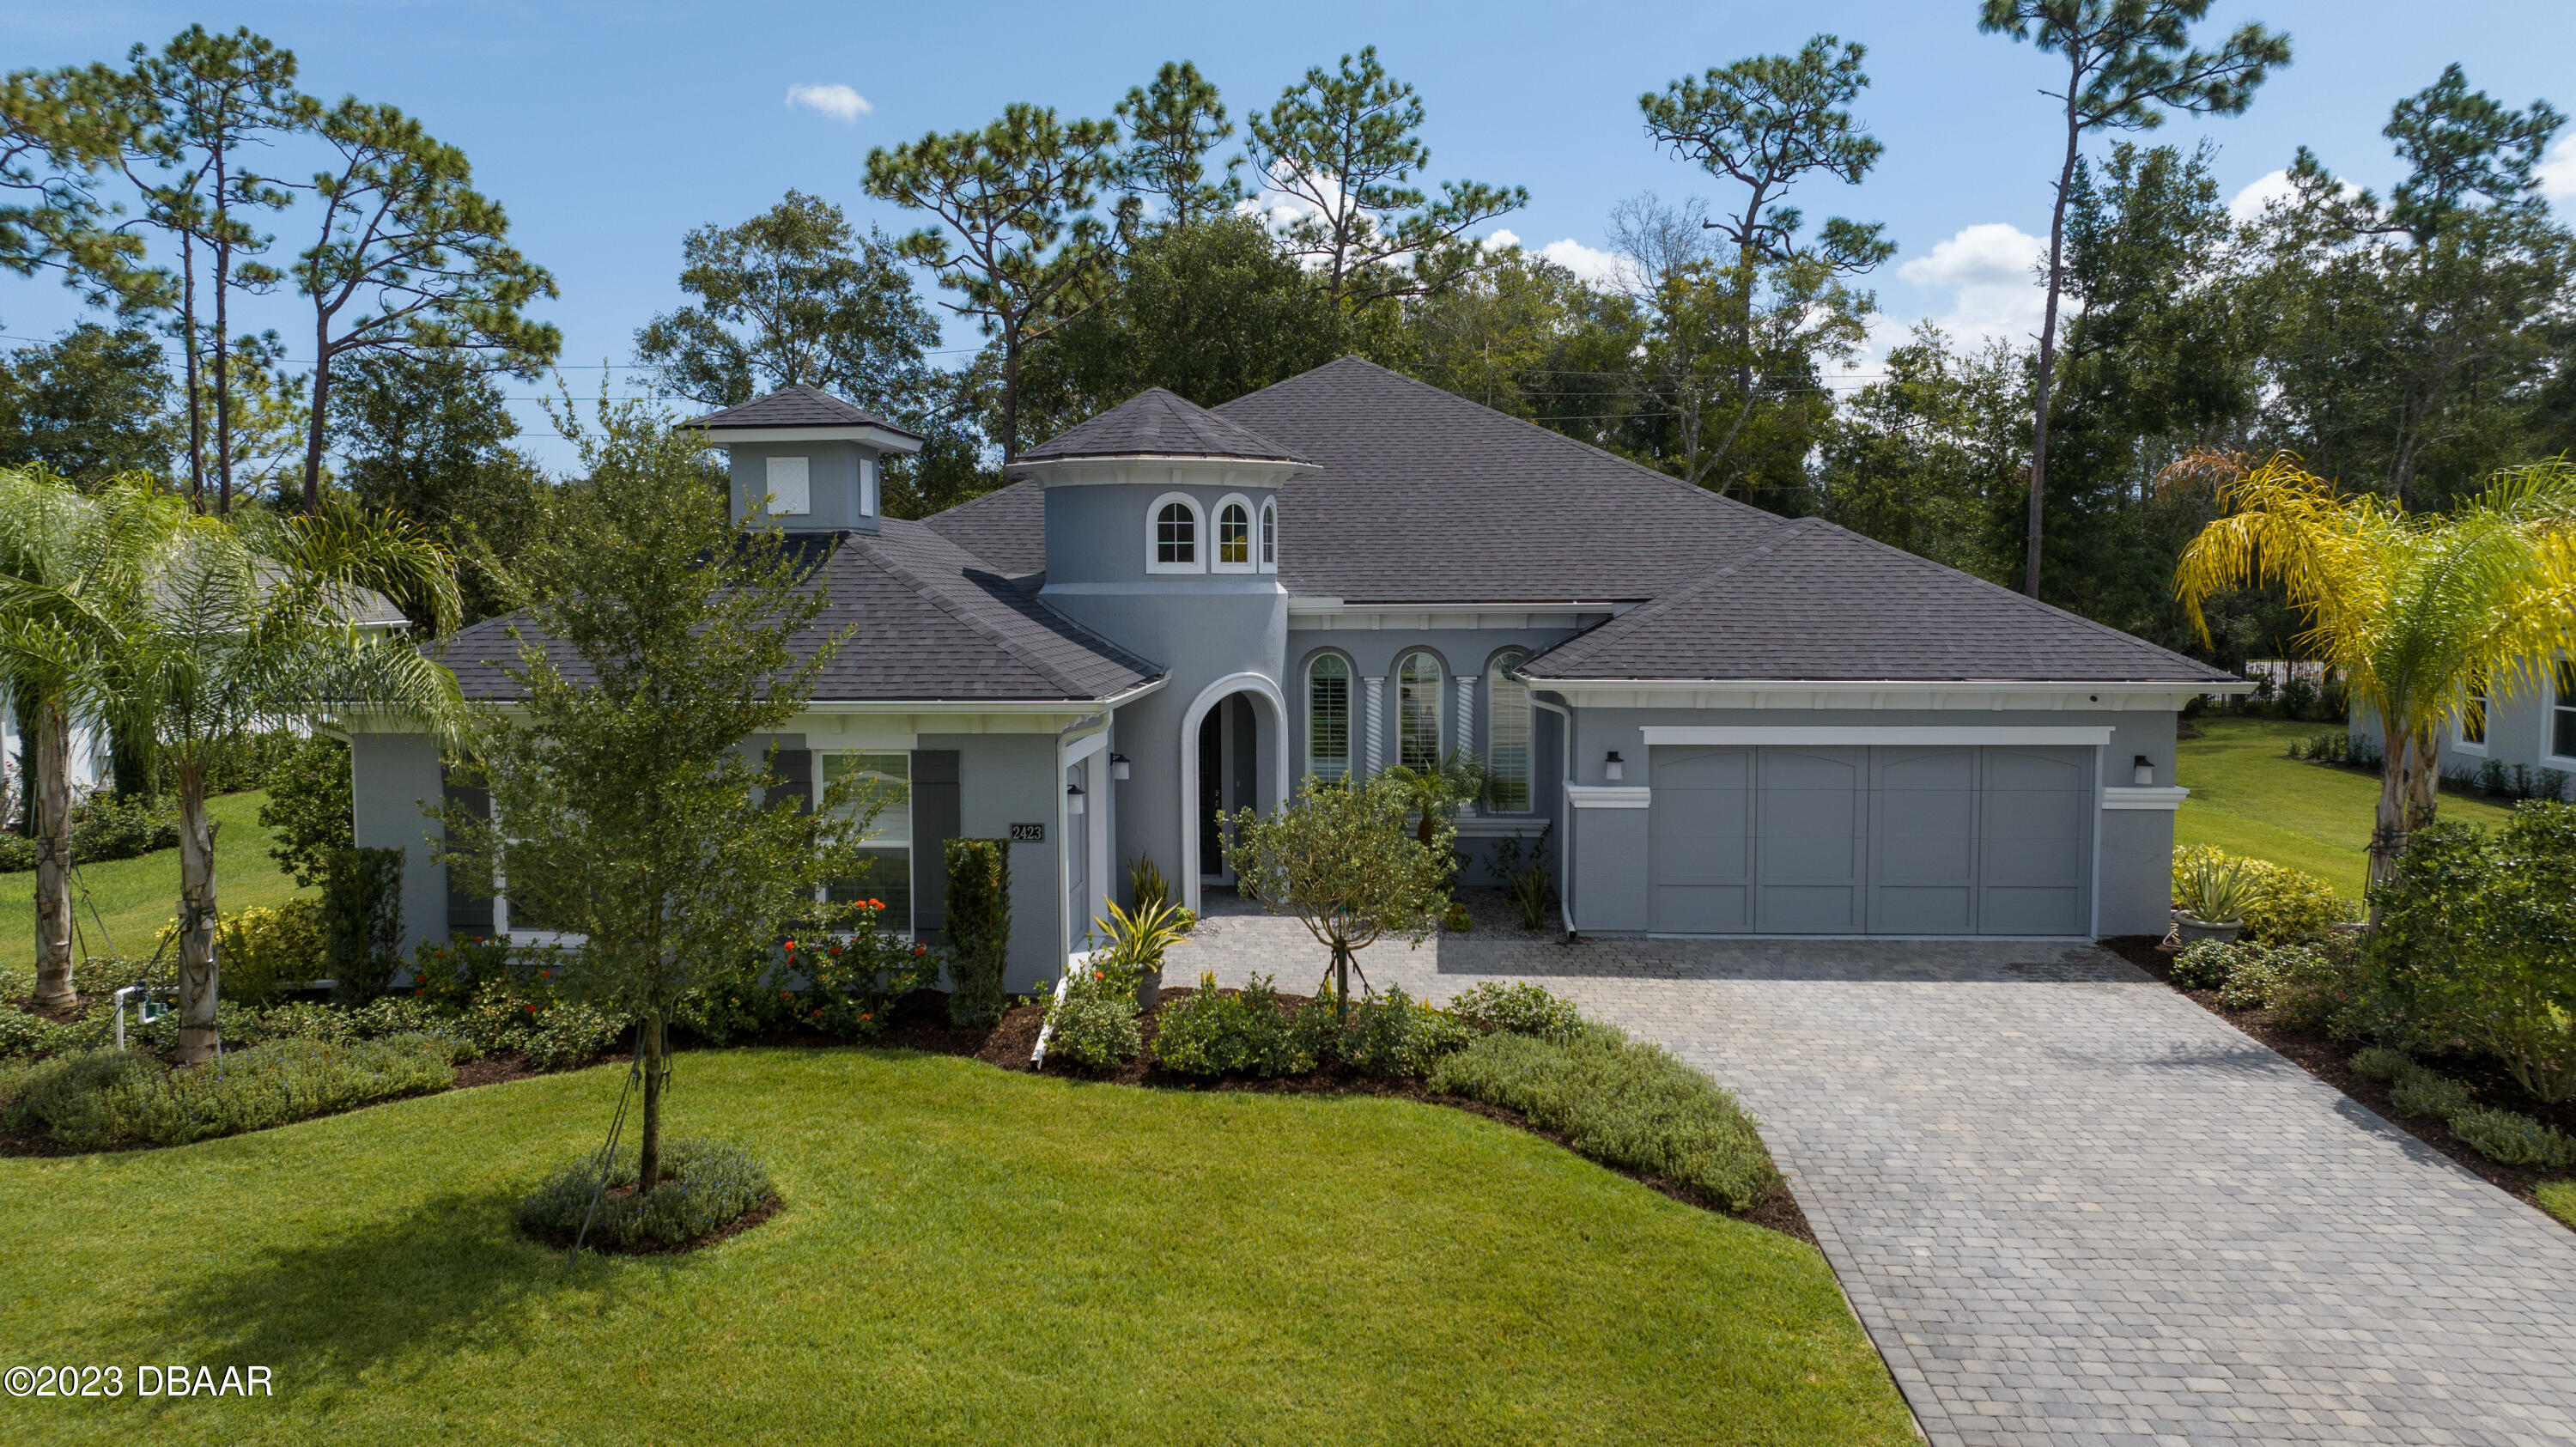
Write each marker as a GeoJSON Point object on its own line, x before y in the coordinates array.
{"type": "Point", "coordinates": [2328, 1059]}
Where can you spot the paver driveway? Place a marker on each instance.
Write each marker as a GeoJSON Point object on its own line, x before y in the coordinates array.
{"type": "Point", "coordinates": [2070, 1205]}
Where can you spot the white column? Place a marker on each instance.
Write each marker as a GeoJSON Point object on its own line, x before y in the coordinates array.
{"type": "Point", "coordinates": [1376, 704]}
{"type": "Point", "coordinates": [1466, 734]}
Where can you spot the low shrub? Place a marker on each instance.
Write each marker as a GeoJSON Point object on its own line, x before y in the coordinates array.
{"type": "Point", "coordinates": [2421, 1092]}
{"type": "Point", "coordinates": [268, 950]}
{"type": "Point", "coordinates": [2514, 1140]}
{"type": "Point", "coordinates": [303, 1021]}
{"type": "Point", "coordinates": [1624, 1104]}
{"type": "Point", "coordinates": [102, 1098]}
{"type": "Point", "coordinates": [568, 1034]}
{"type": "Point", "coordinates": [1527, 879]}
{"type": "Point", "coordinates": [2206, 965]}
{"type": "Point", "coordinates": [1243, 1032]}
{"type": "Point", "coordinates": [1389, 1034]}
{"type": "Point", "coordinates": [2378, 1062]}
{"type": "Point", "coordinates": [2558, 1198]}
{"type": "Point", "coordinates": [104, 827]}
{"type": "Point", "coordinates": [706, 1186]}
{"type": "Point", "coordinates": [2280, 905]}
{"type": "Point", "coordinates": [1094, 1025]}
{"type": "Point", "coordinates": [1491, 1006]}
{"type": "Point", "coordinates": [24, 1034]}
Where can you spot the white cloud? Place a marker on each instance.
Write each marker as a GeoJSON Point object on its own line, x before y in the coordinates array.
{"type": "Point", "coordinates": [2260, 192]}
{"type": "Point", "coordinates": [2557, 171]}
{"type": "Point", "coordinates": [1593, 267]}
{"type": "Point", "coordinates": [1991, 273]}
{"type": "Point", "coordinates": [837, 101]}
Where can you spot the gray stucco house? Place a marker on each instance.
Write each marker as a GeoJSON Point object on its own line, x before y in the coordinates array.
{"type": "Point", "coordinates": [2525, 726]}
{"type": "Point", "coordinates": [1736, 723]}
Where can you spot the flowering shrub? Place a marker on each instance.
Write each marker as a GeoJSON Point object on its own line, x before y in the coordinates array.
{"type": "Point", "coordinates": [2289, 906]}
{"type": "Point", "coordinates": [451, 974]}
{"type": "Point", "coordinates": [852, 980]}
{"type": "Point", "coordinates": [1248, 1032]}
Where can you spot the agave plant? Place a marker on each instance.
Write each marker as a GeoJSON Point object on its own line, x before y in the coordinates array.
{"type": "Point", "coordinates": [2219, 891]}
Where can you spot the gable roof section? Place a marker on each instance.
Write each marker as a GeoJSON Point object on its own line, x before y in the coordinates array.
{"type": "Point", "coordinates": [1816, 602]}
{"type": "Point", "coordinates": [1157, 423]}
{"type": "Point", "coordinates": [927, 621]}
{"type": "Point", "coordinates": [1425, 496]}
{"type": "Point", "coordinates": [795, 407]}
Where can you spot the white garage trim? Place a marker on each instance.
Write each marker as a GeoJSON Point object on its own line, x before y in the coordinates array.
{"type": "Point", "coordinates": [2167, 798]}
{"type": "Point", "coordinates": [1603, 796]}
{"type": "Point", "coordinates": [1741, 735]}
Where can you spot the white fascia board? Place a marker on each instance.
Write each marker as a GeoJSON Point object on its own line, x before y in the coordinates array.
{"type": "Point", "coordinates": [1961, 694]}
{"type": "Point", "coordinates": [1812, 735]}
{"type": "Point", "coordinates": [1334, 613]}
{"type": "Point", "coordinates": [2166, 798]}
{"type": "Point", "coordinates": [1162, 469]}
{"type": "Point", "coordinates": [1608, 796]}
{"type": "Point", "coordinates": [881, 438]}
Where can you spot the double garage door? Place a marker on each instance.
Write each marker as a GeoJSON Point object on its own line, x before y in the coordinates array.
{"type": "Point", "coordinates": [1878, 840]}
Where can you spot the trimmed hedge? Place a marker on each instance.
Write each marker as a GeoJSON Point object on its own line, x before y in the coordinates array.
{"type": "Point", "coordinates": [103, 1098]}
{"type": "Point", "coordinates": [1624, 1104]}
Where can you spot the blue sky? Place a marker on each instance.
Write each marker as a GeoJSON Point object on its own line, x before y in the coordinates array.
{"type": "Point", "coordinates": [609, 130]}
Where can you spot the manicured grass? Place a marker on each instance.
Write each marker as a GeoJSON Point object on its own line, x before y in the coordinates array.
{"type": "Point", "coordinates": [966, 1255]}
{"type": "Point", "coordinates": [2249, 797]}
{"type": "Point", "coordinates": [135, 897]}
{"type": "Point", "coordinates": [2558, 1198]}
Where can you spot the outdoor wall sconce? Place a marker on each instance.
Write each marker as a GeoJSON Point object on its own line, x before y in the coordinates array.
{"type": "Point", "coordinates": [2144, 772]}
{"type": "Point", "coordinates": [1118, 767]}
{"type": "Point", "coordinates": [1073, 801]}
{"type": "Point", "coordinates": [1612, 768]}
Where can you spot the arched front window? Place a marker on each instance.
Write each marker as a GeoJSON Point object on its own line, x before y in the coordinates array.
{"type": "Point", "coordinates": [1417, 721]}
{"type": "Point", "coordinates": [1234, 536]}
{"type": "Point", "coordinates": [1270, 535]}
{"type": "Point", "coordinates": [1176, 536]}
{"type": "Point", "coordinates": [1328, 717]}
{"type": "Point", "coordinates": [1507, 734]}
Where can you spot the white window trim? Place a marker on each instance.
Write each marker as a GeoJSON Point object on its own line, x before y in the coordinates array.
{"type": "Point", "coordinates": [1350, 715]}
{"type": "Point", "coordinates": [1251, 536]}
{"type": "Point", "coordinates": [1265, 526]}
{"type": "Point", "coordinates": [867, 487]}
{"type": "Point", "coordinates": [2460, 740]}
{"type": "Point", "coordinates": [1202, 541]}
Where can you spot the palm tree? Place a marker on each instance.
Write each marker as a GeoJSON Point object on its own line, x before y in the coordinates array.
{"type": "Point", "coordinates": [72, 569]}
{"type": "Point", "coordinates": [248, 626]}
{"type": "Point", "coordinates": [1436, 794]}
{"type": "Point", "coordinates": [2422, 614]}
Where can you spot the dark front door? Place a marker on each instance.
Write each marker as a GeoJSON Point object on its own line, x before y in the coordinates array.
{"type": "Point", "coordinates": [1212, 790]}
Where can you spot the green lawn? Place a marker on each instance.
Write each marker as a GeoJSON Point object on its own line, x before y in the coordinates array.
{"type": "Point", "coordinates": [966, 1255]}
{"type": "Point", "coordinates": [2249, 797]}
{"type": "Point", "coordinates": [135, 897]}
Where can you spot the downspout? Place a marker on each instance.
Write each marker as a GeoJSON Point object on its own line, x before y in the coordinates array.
{"type": "Point", "coordinates": [1564, 776]}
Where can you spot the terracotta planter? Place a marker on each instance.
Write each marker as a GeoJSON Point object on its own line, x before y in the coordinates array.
{"type": "Point", "coordinates": [2192, 931]}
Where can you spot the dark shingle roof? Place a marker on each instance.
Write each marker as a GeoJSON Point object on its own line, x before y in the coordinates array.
{"type": "Point", "coordinates": [1156, 423]}
{"type": "Point", "coordinates": [1813, 601]}
{"type": "Point", "coordinates": [795, 407]}
{"type": "Point", "coordinates": [1427, 497]}
{"type": "Point", "coordinates": [1006, 528]}
{"type": "Point", "coordinates": [928, 620]}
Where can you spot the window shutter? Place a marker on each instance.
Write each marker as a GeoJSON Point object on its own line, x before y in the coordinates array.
{"type": "Point", "coordinates": [791, 777]}
{"type": "Point", "coordinates": [469, 911]}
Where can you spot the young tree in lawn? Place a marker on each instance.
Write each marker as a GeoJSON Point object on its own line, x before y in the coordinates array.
{"type": "Point", "coordinates": [2422, 615]}
{"type": "Point", "coordinates": [2128, 63]}
{"type": "Point", "coordinates": [1172, 125]}
{"type": "Point", "coordinates": [74, 569]}
{"type": "Point", "coordinates": [653, 640]}
{"type": "Point", "coordinates": [247, 623]}
{"type": "Point", "coordinates": [1021, 246]}
{"type": "Point", "coordinates": [1341, 859]}
{"type": "Point", "coordinates": [1345, 145]}
{"type": "Point", "coordinates": [410, 259]}
{"type": "Point", "coordinates": [1766, 123]}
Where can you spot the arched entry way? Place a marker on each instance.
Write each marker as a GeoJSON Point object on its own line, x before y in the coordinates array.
{"type": "Point", "coordinates": [1233, 756]}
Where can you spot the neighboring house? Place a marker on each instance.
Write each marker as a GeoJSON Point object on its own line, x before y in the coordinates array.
{"type": "Point", "coordinates": [2528, 731]}
{"type": "Point", "coordinates": [1736, 723]}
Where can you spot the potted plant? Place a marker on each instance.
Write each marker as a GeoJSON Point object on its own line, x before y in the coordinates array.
{"type": "Point", "coordinates": [2212, 900]}
{"type": "Point", "coordinates": [1137, 942]}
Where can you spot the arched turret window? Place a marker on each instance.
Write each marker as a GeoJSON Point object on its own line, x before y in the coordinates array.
{"type": "Point", "coordinates": [1417, 722]}
{"type": "Point", "coordinates": [1172, 537]}
{"type": "Point", "coordinates": [1234, 536]}
{"type": "Point", "coordinates": [1328, 717]}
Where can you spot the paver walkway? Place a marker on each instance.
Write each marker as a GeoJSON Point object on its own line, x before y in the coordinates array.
{"type": "Point", "coordinates": [2070, 1205]}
